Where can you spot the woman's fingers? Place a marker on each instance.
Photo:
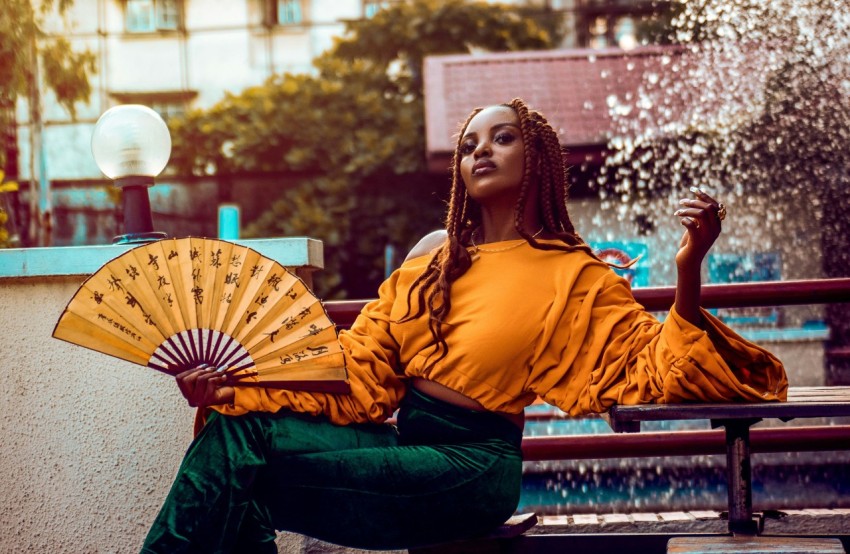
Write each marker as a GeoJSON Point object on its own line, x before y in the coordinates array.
{"type": "Point", "coordinates": [702, 195]}
{"type": "Point", "coordinates": [208, 384]}
{"type": "Point", "coordinates": [199, 384]}
{"type": "Point", "coordinates": [696, 218]}
{"type": "Point", "coordinates": [706, 198]}
{"type": "Point", "coordinates": [713, 210]}
{"type": "Point", "coordinates": [701, 216]}
{"type": "Point", "coordinates": [186, 380]}
{"type": "Point", "coordinates": [690, 222]}
{"type": "Point", "coordinates": [702, 212]}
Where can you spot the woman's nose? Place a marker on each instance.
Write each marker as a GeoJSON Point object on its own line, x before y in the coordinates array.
{"type": "Point", "coordinates": [483, 149]}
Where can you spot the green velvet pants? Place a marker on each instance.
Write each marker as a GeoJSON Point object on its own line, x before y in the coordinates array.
{"type": "Point", "coordinates": [445, 473]}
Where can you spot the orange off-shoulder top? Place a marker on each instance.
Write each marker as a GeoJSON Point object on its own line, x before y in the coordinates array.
{"type": "Point", "coordinates": [527, 323]}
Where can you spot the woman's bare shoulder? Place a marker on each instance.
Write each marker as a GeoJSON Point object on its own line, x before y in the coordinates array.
{"type": "Point", "coordinates": [427, 244]}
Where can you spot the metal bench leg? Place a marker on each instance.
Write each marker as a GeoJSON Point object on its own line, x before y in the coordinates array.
{"type": "Point", "coordinates": [740, 482]}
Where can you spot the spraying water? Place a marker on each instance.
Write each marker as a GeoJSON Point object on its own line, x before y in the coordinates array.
{"type": "Point", "coordinates": [753, 106]}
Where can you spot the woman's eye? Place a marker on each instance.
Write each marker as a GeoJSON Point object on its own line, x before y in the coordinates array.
{"type": "Point", "coordinates": [467, 148]}
{"type": "Point", "coordinates": [504, 138]}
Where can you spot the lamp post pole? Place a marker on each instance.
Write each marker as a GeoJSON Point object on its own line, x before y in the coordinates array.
{"type": "Point", "coordinates": [136, 207]}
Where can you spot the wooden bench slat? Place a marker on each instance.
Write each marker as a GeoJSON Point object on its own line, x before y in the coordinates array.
{"type": "Point", "coordinates": [802, 402]}
{"type": "Point", "coordinates": [825, 394]}
{"type": "Point", "coordinates": [754, 545]}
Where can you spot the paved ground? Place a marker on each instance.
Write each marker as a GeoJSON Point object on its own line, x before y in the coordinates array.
{"type": "Point", "coordinates": [790, 522]}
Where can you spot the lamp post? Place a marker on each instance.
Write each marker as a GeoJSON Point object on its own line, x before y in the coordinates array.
{"type": "Point", "coordinates": [131, 145]}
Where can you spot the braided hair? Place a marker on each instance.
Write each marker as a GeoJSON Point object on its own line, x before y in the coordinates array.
{"type": "Point", "coordinates": [544, 168]}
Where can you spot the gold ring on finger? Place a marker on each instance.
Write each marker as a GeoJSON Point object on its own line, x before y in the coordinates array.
{"type": "Point", "coordinates": [721, 211]}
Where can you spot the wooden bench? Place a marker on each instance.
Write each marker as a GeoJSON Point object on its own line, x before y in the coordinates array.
{"type": "Point", "coordinates": [736, 418]}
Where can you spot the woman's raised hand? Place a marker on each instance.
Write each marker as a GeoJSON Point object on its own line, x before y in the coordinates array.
{"type": "Point", "coordinates": [701, 216]}
{"type": "Point", "coordinates": [204, 386]}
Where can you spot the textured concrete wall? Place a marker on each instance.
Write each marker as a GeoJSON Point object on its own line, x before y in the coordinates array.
{"type": "Point", "coordinates": [90, 443]}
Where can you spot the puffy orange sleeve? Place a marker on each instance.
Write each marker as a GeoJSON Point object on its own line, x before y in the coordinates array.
{"type": "Point", "coordinates": [371, 360]}
{"type": "Point", "coordinates": [603, 348]}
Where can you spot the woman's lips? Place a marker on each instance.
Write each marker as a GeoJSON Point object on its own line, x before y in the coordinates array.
{"type": "Point", "coordinates": [482, 168]}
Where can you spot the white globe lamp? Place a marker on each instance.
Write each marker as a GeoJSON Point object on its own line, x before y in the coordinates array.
{"type": "Point", "coordinates": [131, 145]}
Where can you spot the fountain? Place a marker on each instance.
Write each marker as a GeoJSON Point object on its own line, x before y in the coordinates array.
{"type": "Point", "coordinates": [755, 108]}
{"type": "Point", "coordinates": [753, 105]}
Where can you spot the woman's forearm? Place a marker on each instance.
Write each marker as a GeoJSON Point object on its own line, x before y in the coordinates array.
{"type": "Point", "coordinates": [701, 217]}
{"type": "Point", "coordinates": [688, 295]}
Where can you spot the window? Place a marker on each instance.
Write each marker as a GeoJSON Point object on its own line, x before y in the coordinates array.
{"type": "Point", "coordinates": [371, 7]}
{"type": "Point", "coordinates": [289, 12]}
{"type": "Point", "coordinates": [607, 30]}
{"type": "Point", "coordinates": [622, 23]}
{"type": "Point", "coordinates": [148, 16]}
{"type": "Point", "coordinates": [167, 104]}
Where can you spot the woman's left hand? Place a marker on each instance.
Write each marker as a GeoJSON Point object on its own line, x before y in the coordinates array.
{"type": "Point", "coordinates": [701, 216]}
{"type": "Point", "coordinates": [204, 386]}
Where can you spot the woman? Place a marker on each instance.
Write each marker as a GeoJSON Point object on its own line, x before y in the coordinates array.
{"type": "Point", "coordinates": [506, 305]}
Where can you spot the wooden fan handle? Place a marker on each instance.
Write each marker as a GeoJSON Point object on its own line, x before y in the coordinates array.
{"type": "Point", "coordinates": [234, 378]}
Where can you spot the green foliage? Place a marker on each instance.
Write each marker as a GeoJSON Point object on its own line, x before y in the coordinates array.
{"type": "Point", "coordinates": [67, 73]}
{"type": "Point", "coordinates": [23, 45]}
{"type": "Point", "coordinates": [300, 123]}
{"type": "Point", "coordinates": [6, 188]}
{"type": "Point", "coordinates": [407, 32]}
{"type": "Point", "coordinates": [658, 28]}
{"type": "Point", "coordinates": [349, 141]}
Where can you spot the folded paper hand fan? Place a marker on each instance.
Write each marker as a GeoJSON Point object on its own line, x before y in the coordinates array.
{"type": "Point", "coordinates": [176, 303]}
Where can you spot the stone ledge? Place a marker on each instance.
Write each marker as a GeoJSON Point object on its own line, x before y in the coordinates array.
{"type": "Point", "coordinates": [292, 252]}
{"type": "Point", "coordinates": [813, 521]}
{"type": "Point", "coordinates": [799, 522]}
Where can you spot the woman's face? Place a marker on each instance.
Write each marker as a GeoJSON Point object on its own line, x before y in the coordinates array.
{"type": "Point", "coordinates": [492, 157]}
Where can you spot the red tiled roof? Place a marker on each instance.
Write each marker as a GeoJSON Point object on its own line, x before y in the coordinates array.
{"type": "Point", "coordinates": [571, 87]}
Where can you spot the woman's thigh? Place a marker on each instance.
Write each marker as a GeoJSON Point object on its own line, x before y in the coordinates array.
{"type": "Point", "coordinates": [393, 496]}
{"type": "Point", "coordinates": [212, 502]}
{"type": "Point", "coordinates": [288, 433]}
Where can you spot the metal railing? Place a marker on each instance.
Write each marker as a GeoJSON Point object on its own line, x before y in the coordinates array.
{"type": "Point", "coordinates": [736, 295]}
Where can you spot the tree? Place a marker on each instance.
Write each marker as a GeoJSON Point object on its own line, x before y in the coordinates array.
{"type": "Point", "coordinates": [349, 140]}
{"type": "Point", "coordinates": [30, 59]}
